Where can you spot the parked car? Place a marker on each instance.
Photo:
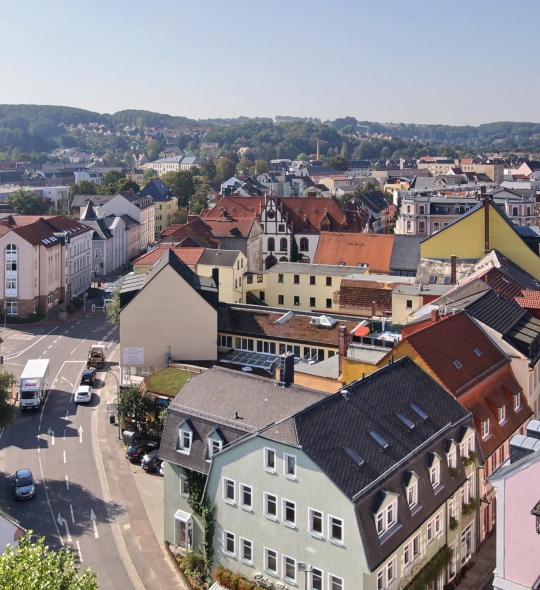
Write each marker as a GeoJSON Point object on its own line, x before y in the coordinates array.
{"type": "Point", "coordinates": [151, 462]}
{"type": "Point", "coordinates": [161, 469]}
{"type": "Point", "coordinates": [88, 377]}
{"type": "Point", "coordinates": [24, 485]}
{"type": "Point", "coordinates": [138, 450]}
{"type": "Point", "coordinates": [83, 394]}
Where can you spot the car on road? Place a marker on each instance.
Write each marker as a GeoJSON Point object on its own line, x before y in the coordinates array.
{"type": "Point", "coordinates": [88, 377]}
{"type": "Point", "coordinates": [83, 394]}
{"type": "Point", "coordinates": [24, 485]}
{"type": "Point", "coordinates": [151, 462]}
{"type": "Point", "coordinates": [141, 448]}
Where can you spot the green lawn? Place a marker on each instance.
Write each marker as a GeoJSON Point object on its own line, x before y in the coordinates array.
{"type": "Point", "coordinates": [167, 381]}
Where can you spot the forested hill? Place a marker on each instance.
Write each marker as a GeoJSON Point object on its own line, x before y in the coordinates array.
{"type": "Point", "coordinates": [37, 129]}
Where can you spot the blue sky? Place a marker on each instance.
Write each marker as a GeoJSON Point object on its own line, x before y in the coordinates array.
{"type": "Point", "coordinates": [453, 62]}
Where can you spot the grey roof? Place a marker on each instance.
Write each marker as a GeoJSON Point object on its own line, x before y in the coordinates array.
{"type": "Point", "coordinates": [328, 427]}
{"type": "Point", "coordinates": [497, 311]}
{"type": "Point", "coordinates": [205, 286]}
{"type": "Point", "coordinates": [373, 200]}
{"type": "Point", "coordinates": [219, 257]}
{"type": "Point", "coordinates": [214, 399]}
{"type": "Point", "coordinates": [366, 353]}
{"type": "Point", "coordinates": [441, 270]}
{"type": "Point", "coordinates": [424, 289]}
{"type": "Point", "coordinates": [97, 200]}
{"type": "Point", "coordinates": [514, 271]}
{"type": "Point", "coordinates": [315, 269]}
{"type": "Point", "coordinates": [328, 368]}
{"type": "Point", "coordinates": [101, 231]}
{"type": "Point", "coordinates": [129, 221]}
{"type": "Point", "coordinates": [158, 190]}
{"type": "Point", "coordinates": [405, 253]}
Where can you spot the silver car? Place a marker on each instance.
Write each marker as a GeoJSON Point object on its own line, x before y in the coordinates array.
{"type": "Point", "coordinates": [24, 485]}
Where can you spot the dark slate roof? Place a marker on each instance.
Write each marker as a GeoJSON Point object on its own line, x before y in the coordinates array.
{"type": "Point", "coordinates": [101, 231]}
{"type": "Point", "coordinates": [205, 286]}
{"type": "Point", "coordinates": [325, 429]}
{"type": "Point", "coordinates": [80, 200]}
{"type": "Point", "coordinates": [214, 399]}
{"type": "Point", "coordinates": [158, 190]}
{"type": "Point", "coordinates": [217, 257]}
{"type": "Point", "coordinates": [129, 221]}
{"type": "Point", "coordinates": [405, 253]}
{"type": "Point", "coordinates": [373, 200]}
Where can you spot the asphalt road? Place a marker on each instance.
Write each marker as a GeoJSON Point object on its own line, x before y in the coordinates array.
{"type": "Point", "coordinates": [58, 445]}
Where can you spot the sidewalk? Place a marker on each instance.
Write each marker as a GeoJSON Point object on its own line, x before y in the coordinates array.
{"type": "Point", "coordinates": [141, 523]}
{"type": "Point", "coordinates": [480, 576]}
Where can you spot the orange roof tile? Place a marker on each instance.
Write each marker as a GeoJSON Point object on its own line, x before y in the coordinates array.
{"type": "Point", "coordinates": [530, 299]}
{"type": "Point", "coordinates": [375, 250]}
{"type": "Point", "coordinates": [186, 255]}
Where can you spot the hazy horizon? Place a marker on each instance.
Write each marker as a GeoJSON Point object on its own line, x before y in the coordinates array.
{"type": "Point", "coordinates": [385, 61]}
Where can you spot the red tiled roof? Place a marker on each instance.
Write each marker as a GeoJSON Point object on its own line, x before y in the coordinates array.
{"type": "Point", "coordinates": [196, 229]}
{"type": "Point", "coordinates": [186, 255]}
{"type": "Point", "coordinates": [228, 228]}
{"type": "Point", "coordinates": [502, 283]}
{"type": "Point", "coordinates": [360, 295]}
{"type": "Point", "coordinates": [483, 402]}
{"type": "Point", "coordinates": [39, 231]}
{"type": "Point", "coordinates": [455, 339]}
{"type": "Point", "coordinates": [530, 299]}
{"type": "Point", "coordinates": [375, 250]}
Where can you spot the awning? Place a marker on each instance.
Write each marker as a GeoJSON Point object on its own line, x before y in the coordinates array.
{"type": "Point", "coordinates": [182, 516]}
{"type": "Point", "coordinates": [361, 331]}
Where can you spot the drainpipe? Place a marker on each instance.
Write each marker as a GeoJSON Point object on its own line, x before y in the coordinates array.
{"type": "Point", "coordinates": [486, 225]}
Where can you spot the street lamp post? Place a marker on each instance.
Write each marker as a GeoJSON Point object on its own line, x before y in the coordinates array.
{"type": "Point", "coordinates": [117, 396]}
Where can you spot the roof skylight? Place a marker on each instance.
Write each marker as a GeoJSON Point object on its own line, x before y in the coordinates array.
{"type": "Point", "coordinates": [354, 456]}
{"type": "Point", "coordinates": [478, 352]}
{"type": "Point", "coordinates": [419, 412]}
{"type": "Point", "coordinates": [379, 439]}
{"type": "Point", "coordinates": [406, 421]}
{"type": "Point", "coordinates": [457, 364]}
{"type": "Point", "coordinates": [432, 279]}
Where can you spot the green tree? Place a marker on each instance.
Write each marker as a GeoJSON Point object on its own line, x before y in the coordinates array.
{"type": "Point", "coordinates": [110, 158]}
{"type": "Point", "coordinates": [208, 168]}
{"type": "Point", "coordinates": [339, 163]}
{"type": "Point", "coordinates": [125, 185]}
{"type": "Point", "coordinates": [180, 215]}
{"type": "Point", "coordinates": [149, 173]}
{"type": "Point", "coordinates": [133, 407]}
{"type": "Point", "coordinates": [295, 254]}
{"type": "Point", "coordinates": [243, 167]}
{"type": "Point", "coordinates": [181, 183]}
{"type": "Point", "coordinates": [109, 182]}
{"type": "Point", "coordinates": [8, 411]}
{"type": "Point", "coordinates": [302, 157]}
{"type": "Point", "coordinates": [260, 167]}
{"type": "Point", "coordinates": [27, 202]}
{"type": "Point", "coordinates": [113, 308]}
{"type": "Point", "coordinates": [129, 159]}
{"type": "Point", "coordinates": [153, 147]}
{"type": "Point", "coordinates": [83, 187]}
{"type": "Point", "coordinates": [225, 169]}
{"type": "Point", "coordinates": [33, 566]}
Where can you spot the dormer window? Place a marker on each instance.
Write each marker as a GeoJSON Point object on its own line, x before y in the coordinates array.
{"type": "Point", "coordinates": [386, 513]}
{"type": "Point", "coordinates": [434, 468]}
{"type": "Point", "coordinates": [485, 428]}
{"type": "Point", "coordinates": [517, 402]}
{"type": "Point", "coordinates": [412, 494]}
{"type": "Point", "coordinates": [185, 438]}
{"type": "Point", "coordinates": [501, 414]}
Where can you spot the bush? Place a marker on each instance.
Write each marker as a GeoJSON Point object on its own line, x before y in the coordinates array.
{"type": "Point", "coordinates": [472, 503]}
{"type": "Point", "coordinates": [93, 292]}
{"type": "Point", "coordinates": [454, 472]}
{"type": "Point", "coordinates": [70, 308]}
{"type": "Point", "coordinates": [467, 509]}
{"type": "Point", "coordinates": [453, 523]}
{"type": "Point", "coordinates": [77, 303]}
{"type": "Point", "coordinates": [234, 581]}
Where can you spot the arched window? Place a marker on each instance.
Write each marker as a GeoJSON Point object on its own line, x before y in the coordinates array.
{"type": "Point", "coordinates": [283, 245]}
{"type": "Point", "coordinates": [11, 248]}
{"type": "Point", "coordinates": [271, 244]}
{"type": "Point", "coordinates": [304, 245]}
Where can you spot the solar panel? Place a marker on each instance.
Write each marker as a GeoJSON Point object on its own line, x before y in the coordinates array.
{"type": "Point", "coordinates": [251, 359]}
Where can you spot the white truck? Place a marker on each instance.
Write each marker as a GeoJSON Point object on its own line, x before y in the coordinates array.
{"type": "Point", "coordinates": [34, 384]}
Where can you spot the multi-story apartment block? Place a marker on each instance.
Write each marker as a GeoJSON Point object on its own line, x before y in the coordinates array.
{"type": "Point", "coordinates": [165, 203]}
{"type": "Point", "coordinates": [363, 489]}
{"type": "Point", "coordinates": [40, 267]}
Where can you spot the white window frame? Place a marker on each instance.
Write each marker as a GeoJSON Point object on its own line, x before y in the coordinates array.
{"type": "Point", "coordinates": [266, 496]}
{"type": "Point", "coordinates": [286, 457]}
{"type": "Point", "coordinates": [501, 414]}
{"type": "Point", "coordinates": [387, 524]}
{"type": "Point", "coordinates": [224, 540]}
{"type": "Point", "coordinates": [382, 575]}
{"type": "Point", "coordinates": [241, 545]}
{"type": "Point", "coordinates": [311, 512]}
{"type": "Point", "coordinates": [310, 577]}
{"type": "Point", "coordinates": [266, 551]}
{"type": "Point", "coordinates": [435, 474]}
{"type": "Point", "coordinates": [452, 458]}
{"type": "Point", "coordinates": [517, 402]}
{"type": "Point", "coordinates": [290, 523]}
{"type": "Point", "coordinates": [184, 486]}
{"type": "Point", "coordinates": [485, 428]}
{"type": "Point", "coordinates": [268, 450]}
{"type": "Point", "coordinates": [224, 487]}
{"type": "Point", "coordinates": [335, 579]}
{"type": "Point", "coordinates": [241, 488]}
{"type": "Point", "coordinates": [183, 448]}
{"type": "Point", "coordinates": [412, 488]}
{"type": "Point", "coordinates": [284, 569]}
{"type": "Point", "coordinates": [341, 523]}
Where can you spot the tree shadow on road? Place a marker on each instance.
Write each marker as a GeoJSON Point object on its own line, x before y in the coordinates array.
{"type": "Point", "coordinates": [35, 514]}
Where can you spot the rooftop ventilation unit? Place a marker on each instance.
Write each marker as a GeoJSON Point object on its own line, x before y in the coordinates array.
{"type": "Point", "coordinates": [419, 412]}
{"type": "Point", "coordinates": [379, 439]}
{"type": "Point", "coordinates": [346, 395]}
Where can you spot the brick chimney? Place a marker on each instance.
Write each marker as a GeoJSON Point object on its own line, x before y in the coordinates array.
{"type": "Point", "coordinates": [504, 261]}
{"type": "Point", "coordinates": [373, 308]}
{"type": "Point", "coordinates": [130, 191]}
{"type": "Point", "coordinates": [435, 315]}
{"type": "Point", "coordinates": [343, 342]}
{"type": "Point", "coordinates": [453, 270]}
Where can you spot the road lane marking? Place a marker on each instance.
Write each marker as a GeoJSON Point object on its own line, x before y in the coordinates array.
{"type": "Point", "coordinates": [51, 434]}
{"type": "Point", "coordinates": [44, 352]}
{"type": "Point", "coordinates": [72, 516]}
{"type": "Point", "coordinates": [67, 484]}
{"type": "Point", "coordinates": [13, 356]}
{"type": "Point", "coordinates": [83, 341]}
{"type": "Point", "coordinates": [64, 434]}
{"type": "Point", "coordinates": [67, 414]}
{"type": "Point", "coordinates": [66, 331]}
{"type": "Point", "coordinates": [73, 351]}
{"type": "Point", "coordinates": [77, 323]}
{"type": "Point", "coordinates": [80, 554]}
{"type": "Point", "coordinates": [67, 381]}
{"type": "Point", "coordinates": [63, 521]}
{"type": "Point", "coordinates": [1, 432]}
{"type": "Point", "coordinates": [80, 433]}
{"type": "Point", "coordinates": [49, 502]}
{"type": "Point", "coordinates": [50, 346]}
{"type": "Point", "coordinates": [93, 519]}
{"type": "Point", "coordinates": [38, 447]}
{"type": "Point", "coordinates": [55, 341]}
{"type": "Point", "coordinates": [65, 457]}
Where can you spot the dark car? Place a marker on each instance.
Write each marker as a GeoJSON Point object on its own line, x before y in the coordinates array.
{"type": "Point", "coordinates": [138, 450]}
{"type": "Point", "coordinates": [24, 485]}
{"type": "Point", "coordinates": [151, 462]}
{"type": "Point", "coordinates": [88, 377]}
